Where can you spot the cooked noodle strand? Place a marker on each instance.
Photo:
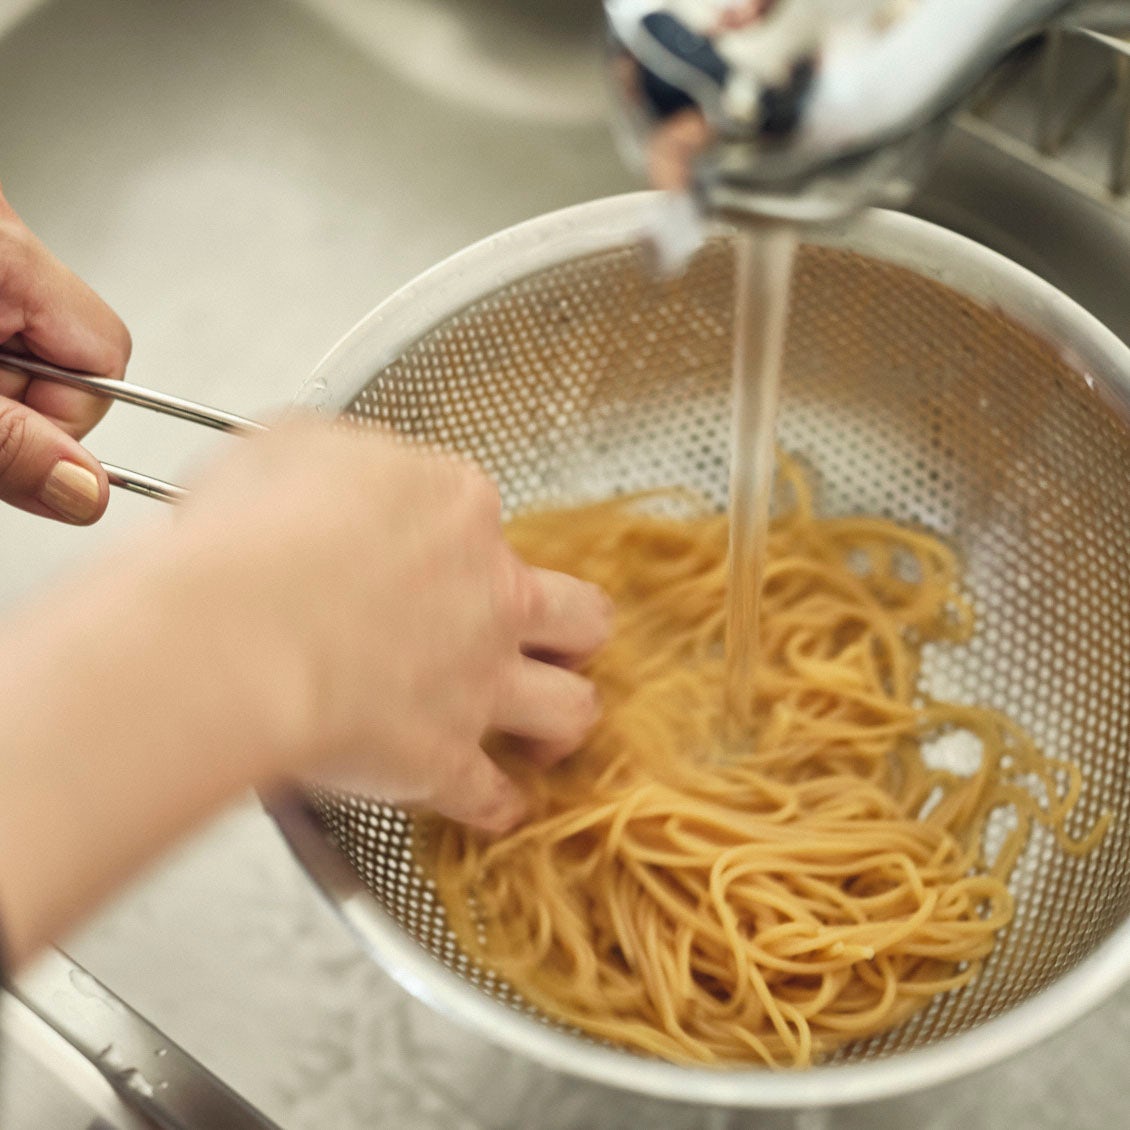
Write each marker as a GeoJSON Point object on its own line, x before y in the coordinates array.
{"type": "Point", "coordinates": [772, 906]}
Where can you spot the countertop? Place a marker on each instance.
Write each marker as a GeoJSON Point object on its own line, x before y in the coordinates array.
{"type": "Point", "coordinates": [242, 181]}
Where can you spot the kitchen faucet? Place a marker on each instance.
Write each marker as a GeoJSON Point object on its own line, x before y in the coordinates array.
{"type": "Point", "coordinates": [804, 110]}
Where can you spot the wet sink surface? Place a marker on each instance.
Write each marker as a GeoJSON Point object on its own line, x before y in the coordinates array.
{"type": "Point", "coordinates": [243, 181]}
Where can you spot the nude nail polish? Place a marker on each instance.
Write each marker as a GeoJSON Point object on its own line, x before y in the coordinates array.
{"type": "Point", "coordinates": [71, 491]}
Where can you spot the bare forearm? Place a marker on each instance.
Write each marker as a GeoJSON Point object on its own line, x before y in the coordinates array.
{"type": "Point", "coordinates": [127, 721]}
{"type": "Point", "coordinates": [326, 603]}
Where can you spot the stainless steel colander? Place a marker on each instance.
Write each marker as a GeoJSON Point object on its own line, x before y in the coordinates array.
{"type": "Point", "coordinates": [927, 379]}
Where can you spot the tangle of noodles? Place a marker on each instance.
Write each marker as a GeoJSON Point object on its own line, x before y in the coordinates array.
{"type": "Point", "coordinates": [771, 906]}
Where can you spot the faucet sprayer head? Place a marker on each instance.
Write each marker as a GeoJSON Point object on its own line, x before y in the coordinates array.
{"type": "Point", "coordinates": [799, 110]}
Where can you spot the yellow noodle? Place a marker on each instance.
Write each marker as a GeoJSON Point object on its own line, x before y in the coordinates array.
{"type": "Point", "coordinates": [771, 906]}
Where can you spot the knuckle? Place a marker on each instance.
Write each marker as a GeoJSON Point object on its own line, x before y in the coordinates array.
{"type": "Point", "coordinates": [520, 600]}
{"type": "Point", "coordinates": [13, 434]}
{"type": "Point", "coordinates": [114, 344]}
{"type": "Point", "coordinates": [122, 347]}
{"type": "Point", "coordinates": [15, 251]}
{"type": "Point", "coordinates": [532, 600]}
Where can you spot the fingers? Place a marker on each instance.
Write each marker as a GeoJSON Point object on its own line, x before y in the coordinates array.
{"type": "Point", "coordinates": [481, 795]}
{"type": "Point", "coordinates": [47, 310]}
{"type": "Point", "coordinates": [550, 705]}
{"type": "Point", "coordinates": [562, 621]}
{"type": "Point", "coordinates": [566, 619]}
{"type": "Point", "coordinates": [46, 472]}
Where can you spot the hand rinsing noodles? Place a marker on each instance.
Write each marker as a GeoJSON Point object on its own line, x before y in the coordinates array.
{"type": "Point", "coordinates": [772, 906]}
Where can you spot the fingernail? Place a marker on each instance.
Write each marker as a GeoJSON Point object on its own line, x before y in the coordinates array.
{"type": "Point", "coordinates": [72, 492]}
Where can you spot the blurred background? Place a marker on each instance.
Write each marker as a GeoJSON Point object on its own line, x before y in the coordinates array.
{"type": "Point", "coordinates": [243, 180]}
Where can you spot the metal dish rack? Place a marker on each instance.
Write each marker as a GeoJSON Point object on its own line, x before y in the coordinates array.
{"type": "Point", "coordinates": [1061, 104]}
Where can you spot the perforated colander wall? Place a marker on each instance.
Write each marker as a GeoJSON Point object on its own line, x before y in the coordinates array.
{"type": "Point", "coordinates": [908, 400]}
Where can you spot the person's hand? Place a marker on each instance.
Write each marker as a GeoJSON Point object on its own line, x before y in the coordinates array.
{"type": "Point", "coordinates": [47, 311]}
{"type": "Point", "coordinates": [361, 591]}
{"type": "Point", "coordinates": [328, 604]}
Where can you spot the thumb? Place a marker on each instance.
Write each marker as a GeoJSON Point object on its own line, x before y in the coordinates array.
{"type": "Point", "coordinates": [46, 472]}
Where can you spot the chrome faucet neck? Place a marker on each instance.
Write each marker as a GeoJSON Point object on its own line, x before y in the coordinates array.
{"type": "Point", "coordinates": [802, 110]}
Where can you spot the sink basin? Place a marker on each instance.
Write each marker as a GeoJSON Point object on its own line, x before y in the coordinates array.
{"type": "Point", "coordinates": [48, 1083]}
{"type": "Point", "coordinates": [243, 181]}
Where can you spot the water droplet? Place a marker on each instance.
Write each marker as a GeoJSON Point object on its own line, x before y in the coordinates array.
{"type": "Point", "coordinates": [85, 984]}
{"type": "Point", "coordinates": [137, 1082]}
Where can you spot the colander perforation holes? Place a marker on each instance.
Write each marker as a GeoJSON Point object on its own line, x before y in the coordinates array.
{"type": "Point", "coordinates": [583, 380]}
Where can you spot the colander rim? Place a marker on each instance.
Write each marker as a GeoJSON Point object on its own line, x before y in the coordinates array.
{"type": "Point", "coordinates": [537, 244]}
{"type": "Point", "coordinates": [506, 256]}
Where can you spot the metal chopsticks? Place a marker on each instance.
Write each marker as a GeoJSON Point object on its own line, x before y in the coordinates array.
{"type": "Point", "coordinates": [144, 398]}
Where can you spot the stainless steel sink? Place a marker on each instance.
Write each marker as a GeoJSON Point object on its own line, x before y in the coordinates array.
{"type": "Point", "coordinates": [48, 1083]}
{"type": "Point", "coordinates": [244, 180]}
